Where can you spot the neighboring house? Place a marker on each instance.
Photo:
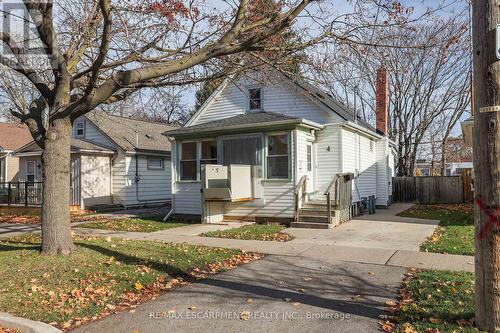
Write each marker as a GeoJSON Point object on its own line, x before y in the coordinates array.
{"type": "Point", "coordinates": [12, 137]}
{"type": "Point", "coordinates": [458, 158]}
{"type": "Point", "coordinates": [114, 160]}
{"type": "Point", "coordinates": [285, 129]}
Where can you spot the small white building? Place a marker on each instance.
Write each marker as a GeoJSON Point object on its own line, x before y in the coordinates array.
{"type": "Point", "coordinates": [285, 129]}
{"type": "Point", "coordinates": [114, 161]}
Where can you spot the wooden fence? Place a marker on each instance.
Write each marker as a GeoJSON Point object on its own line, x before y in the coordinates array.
{"type": "Point", "coordinates": [432, 190]}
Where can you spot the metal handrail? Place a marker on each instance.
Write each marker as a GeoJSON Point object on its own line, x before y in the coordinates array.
{"type": "Point", "coordinates": [301, 186]}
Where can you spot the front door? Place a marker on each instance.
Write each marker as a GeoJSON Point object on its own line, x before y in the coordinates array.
{"type": "Point", "coordinates": [310, 166]}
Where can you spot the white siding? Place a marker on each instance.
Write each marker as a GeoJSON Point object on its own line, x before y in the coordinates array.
{"type": "Point", "coordinates": [153, 186]}
{"type": "Point", "coordinates": [229, 103]}
{"type": "Point", "coordinates": [92, 133]}
{"type": "Point", "coordinates": [95, 180]}
{"type": "Point", "coordinates": [328, 151]}
{"type": "Point", "coordinates": [359, 159]}
{"type": "Point", "coordinates": [186, 197]}
{"type": "Point", "coordinates": [383, 175]}
{"type": "Point", "coordinates": [279, 97]}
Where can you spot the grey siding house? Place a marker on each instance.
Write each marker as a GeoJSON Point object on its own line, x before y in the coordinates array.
{"type": "Point", "coordinates": [114, 160]}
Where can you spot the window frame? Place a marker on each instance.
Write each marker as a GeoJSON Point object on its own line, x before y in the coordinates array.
{"type": "Point", "coordinates": [208, 159]}
{"type": "Point", "coordinates": [197, 160]}
{"type": "Point", "coordinates": [289, 157]}
{"type": "Point", "coordinates": [30, 174]}
{"type": "Point", "coordinates": [249, 99]}
{"type": "Point", "coordinates": [151, 158]}
{"type": "Point", "coordinates": [80, 122]}
{"type": "Point", "coordinates": [309, 157]}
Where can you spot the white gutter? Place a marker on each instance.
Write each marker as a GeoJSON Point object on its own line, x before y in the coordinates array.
{"type": "Point", "coordinates": [303, 122]}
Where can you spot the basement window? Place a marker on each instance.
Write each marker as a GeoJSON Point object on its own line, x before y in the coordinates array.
{"type": "Point", "coordinates": [155, 164]}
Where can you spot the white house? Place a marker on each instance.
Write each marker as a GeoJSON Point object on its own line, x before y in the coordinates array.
{"type": "Point", "coordinates": [114, 160]}
{"type": "Point", "coordinates": [285, 129]}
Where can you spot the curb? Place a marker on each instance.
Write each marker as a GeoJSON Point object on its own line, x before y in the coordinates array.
{"type": "Point", "coordinates": [25, 325]}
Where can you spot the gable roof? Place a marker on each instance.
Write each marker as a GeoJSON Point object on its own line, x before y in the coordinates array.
{"type": "Point", "coordinates": [328, 102]}
{"type": "Point", "coordinates": [123, 130]}
{"type": "Point", "coordinates": [14, 136]}
{"type": "Point", "coordinates": [77, 146]}
{"type": "Point", "coordinates": [253, 120]}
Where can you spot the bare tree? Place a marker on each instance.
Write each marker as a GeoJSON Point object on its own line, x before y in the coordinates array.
{"type": "Point", "coordinates": [103, 51]}
{"type": "Point", "coordinates": [429, 69]}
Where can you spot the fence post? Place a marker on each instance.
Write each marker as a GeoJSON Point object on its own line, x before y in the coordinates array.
{"type": "Point", "coordinates": [9, 194]}
{"type": "Point", "coordinates": [26, 194]}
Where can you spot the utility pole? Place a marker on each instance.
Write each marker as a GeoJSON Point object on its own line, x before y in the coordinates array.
{"type": "Point", "coordinates": [486, 16]}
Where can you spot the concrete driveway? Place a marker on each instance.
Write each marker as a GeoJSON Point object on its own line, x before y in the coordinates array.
{"type": "Point", "coordinates": [383, 230]}
{"type": "Point", "coordinates": [279, 293]}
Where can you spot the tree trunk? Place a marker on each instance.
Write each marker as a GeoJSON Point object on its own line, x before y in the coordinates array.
{"type": "Point", "coordinates": [56, 229]}
{"type": "Point", "coordinates": [486, 14]}
{"type": "Point", "coordinates": [443, 156]}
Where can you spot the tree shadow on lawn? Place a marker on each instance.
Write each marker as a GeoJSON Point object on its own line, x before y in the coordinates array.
{"type": "Point", "coordinates": [170, 270]}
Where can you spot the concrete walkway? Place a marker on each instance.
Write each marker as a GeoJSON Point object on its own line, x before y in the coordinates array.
{"type": "Point", "coordinates": [383, 239]}
{"type": "Point", "coordinates": [278, 293]}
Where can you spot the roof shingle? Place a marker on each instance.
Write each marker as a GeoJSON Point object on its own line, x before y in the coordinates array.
{"type": "Point", "coordinates": [123, 132]}
{"type": "Point", "coordinates": [14, 136]}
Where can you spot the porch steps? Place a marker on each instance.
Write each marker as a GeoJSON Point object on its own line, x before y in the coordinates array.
{"type": "Point", "coordinates": [314, 215]}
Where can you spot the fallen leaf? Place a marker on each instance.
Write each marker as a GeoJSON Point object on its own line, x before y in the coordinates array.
{"type": "Point", "coordinates": [192, 307]}
{"type": "Point", "coordinates": [307, 279]}
{"type": "Point", "coordinates": [249, 300]}
{"type": "Point", "coordinates": [301, 290]}
{"type": "Point", "coordinates": [245, 315]}
{"type": "Point", "coordinates": [434, 320]}
{"type": "Point", "coordinates": [295, 303]}
{"type": "Point", "coordinates": [138, 286]}
{"type": "Point", "coordinates": [287, 299]}
{"type": "Point", "coordinates": [391, 303]}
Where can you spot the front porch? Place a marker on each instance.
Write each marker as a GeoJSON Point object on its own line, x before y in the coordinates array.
{"type": "Point", "coordinates": [255, 167]}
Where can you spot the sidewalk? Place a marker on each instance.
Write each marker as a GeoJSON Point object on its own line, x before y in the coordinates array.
{"type": "Point", "coordinates": [328, 253]}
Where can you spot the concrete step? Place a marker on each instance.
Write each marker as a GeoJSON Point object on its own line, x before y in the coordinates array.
{"type": "Point", "coordinates": [316, 204]}
{"type": "Point", "coordinates": [315, 211]}
{"type": "Point", "coordinates": [311, 225]}
{"type": "Point", "coordinates": [306, 217]}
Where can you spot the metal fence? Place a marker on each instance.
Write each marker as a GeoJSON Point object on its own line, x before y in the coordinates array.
{"type": "Point", "coordinates": [429, 190]}
{"type": "Point", "coordinates": [21, 193]}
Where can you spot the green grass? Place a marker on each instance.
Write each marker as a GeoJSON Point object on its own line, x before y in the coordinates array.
{"type": "Point", "coordinates": [265, 232]}
{"type": "Point", "coordinates": [441, 300]}
{"type": "Point", "coordinates": [99, 275]}
{"type": "Point", "coordinates": [147, 224]}
{"type": "Point", "coordinates": [455, 233]}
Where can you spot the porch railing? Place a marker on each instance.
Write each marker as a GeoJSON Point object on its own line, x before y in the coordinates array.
{"type": "Point", "coordinates": [21, 193]}
{"type": "Point", "coordinates": [299, 196]}
{"type": "Point", "coordinates": [341, 186]}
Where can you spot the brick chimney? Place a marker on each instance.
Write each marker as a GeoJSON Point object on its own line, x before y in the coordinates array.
{"type": "Point", "coordinates": [382, 100]}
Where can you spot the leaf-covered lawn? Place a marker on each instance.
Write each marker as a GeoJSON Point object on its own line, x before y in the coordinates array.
{"type": "Point", "coordinates": [434, 301]}
{"type": "Point", "coordinates": [265, 232]}
{"type": "Point", "coordinates": [455, 233]}
{"type": "Point", "coordinates": [101, 276]}
{"type": "Point", "coordinates": [147, 224]}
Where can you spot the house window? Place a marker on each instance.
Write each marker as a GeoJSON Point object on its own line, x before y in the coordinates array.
{"type": "Point", "coordinates": [80, 129]}
{"type": "Point", "coordinates": [255, 99]}
{"type": "Point", "coordinates": [246, 150]}
{"type": "Point", "coordinates": [155, 163]}
{"type": "Point", "coordinates": [188, 161]}
{"type": "Point", "coordinates": [208, 152]}
{"type": "Point", "coordinates": [30, 171]}
{"type": "Point", "coordinates": [309, 157]}
{"type": "Point", "coordinates": [277, 156]}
